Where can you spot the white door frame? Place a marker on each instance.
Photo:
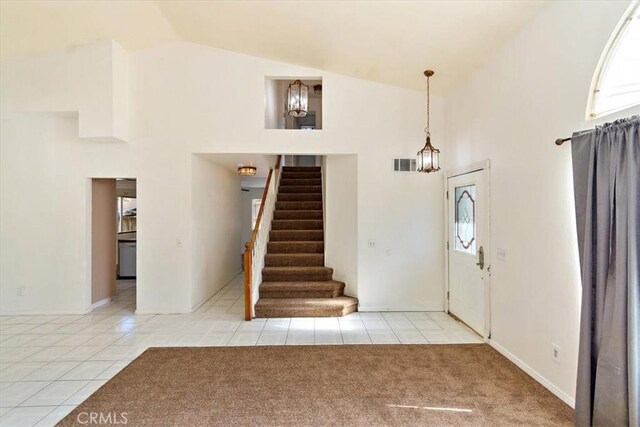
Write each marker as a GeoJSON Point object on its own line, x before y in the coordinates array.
{"type": "Point", "coordinates": [473, 167]}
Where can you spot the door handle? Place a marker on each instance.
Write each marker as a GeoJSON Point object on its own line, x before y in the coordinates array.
{"type": "Point", "coordinates": [480, 262]}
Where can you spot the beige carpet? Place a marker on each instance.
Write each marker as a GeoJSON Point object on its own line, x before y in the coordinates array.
{"type": "Point", "coordinates": [367, 385]}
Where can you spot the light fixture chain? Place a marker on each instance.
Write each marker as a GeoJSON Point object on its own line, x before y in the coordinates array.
{"type": "Point", "coordinates": [427, 131]}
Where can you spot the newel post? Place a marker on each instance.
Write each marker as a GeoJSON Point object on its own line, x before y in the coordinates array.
{"type": "Point", "coordinates": [247, 282]}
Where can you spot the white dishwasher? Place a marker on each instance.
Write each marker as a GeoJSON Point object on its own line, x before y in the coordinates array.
{"type": "Point", "coordinates": [127, 259]}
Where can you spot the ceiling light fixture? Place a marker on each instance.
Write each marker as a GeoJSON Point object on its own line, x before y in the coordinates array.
{"type": "Point", "coordinates": [297, 99]}
{"type": "Point", "coordinates": [429, 156]}
{"type": "Point", "coordinates": [247, 170]}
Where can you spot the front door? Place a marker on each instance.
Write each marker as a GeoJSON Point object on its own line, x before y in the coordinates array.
{"type": "Point", "coordinates": [468, 249]}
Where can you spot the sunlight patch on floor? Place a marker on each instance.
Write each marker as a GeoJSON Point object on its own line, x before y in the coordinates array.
{"type": "Point", "coordinates": [430, 408]}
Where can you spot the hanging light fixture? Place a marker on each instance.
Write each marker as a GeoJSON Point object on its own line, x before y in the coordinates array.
{"type": "Point", "coordinates": [429, 156]}
{"type": "Point", "coordinates": [247, 170]}
{"type": "Point", "coordinates": [297, 99]}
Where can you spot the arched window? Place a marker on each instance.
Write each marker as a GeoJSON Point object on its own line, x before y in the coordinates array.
{"type": "Point", "coordinates": [616, 84]}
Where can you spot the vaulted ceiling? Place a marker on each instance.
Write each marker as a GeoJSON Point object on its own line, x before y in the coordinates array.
{"type": "Point", "coordinates": [385, 41]}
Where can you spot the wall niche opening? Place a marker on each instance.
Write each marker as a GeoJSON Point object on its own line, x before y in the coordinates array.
{"type": "Point", "coordinates": [305, 113]}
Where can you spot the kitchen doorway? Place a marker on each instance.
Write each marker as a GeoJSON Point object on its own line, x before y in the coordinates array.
{"type": "Point", "coordinates": [113, 242]}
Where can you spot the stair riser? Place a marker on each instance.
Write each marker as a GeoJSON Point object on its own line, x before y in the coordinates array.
{"type": "Point", "coordinates": [296, 206]}
{"type": "Point", "coordinates": [301, 182]}
{"type": "Point", "coordinates": [301, 169]}
{"type": "Point", "coordinates": [310, 260]}
{"type": "Point", "coordinates": [301, 175]}
{"type": "Point", "coordinates": [297, 215]}
{"type": "Point", "coordinates": [295, 247]}
{"type": "Point", "coordinates": [302, 276]}
{"type": "Point", "coordinates": [296, 236]}
{"type": "Point", "coordinates": [285, 312]}
{"type": "Point", "coordinates": [301, 294]}
{"type": "Point", "coordinates": [300, 197]}
{"type": "Point", "coordinates": [305, 224]}
{"type": "Point", "coordinates": [300, 189]}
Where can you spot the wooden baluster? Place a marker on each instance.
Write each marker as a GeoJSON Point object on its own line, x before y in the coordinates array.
{"type": "Point", "coordinates": [250, 246]}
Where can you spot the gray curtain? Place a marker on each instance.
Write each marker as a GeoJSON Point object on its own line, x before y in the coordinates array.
{"type": "Point", "coordinates": [606, 179]}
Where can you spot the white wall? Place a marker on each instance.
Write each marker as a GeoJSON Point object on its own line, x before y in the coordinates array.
{"type": "Point", "coordinates": [315, 104]}
{"type": "Point", "coordinates": [270, 104]}
{"type": "Point", "coordinates": [402, 214]}
{"type": "Point", "coordinates": [531, 92]}
{"type": "Point", "coordinates": [215, 227]}
{"type": "Point", "coordinates": [340, 189]}
{"type": "Point", "coordinates": [186, 98]}
{"type": "Point", "coordinates": [45, 212]}
{"type": "Point", "coordinates": [92, 81]}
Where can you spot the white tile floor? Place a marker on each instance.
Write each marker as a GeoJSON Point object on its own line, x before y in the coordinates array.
{"type": "Point", "coordinates": [50, 364]}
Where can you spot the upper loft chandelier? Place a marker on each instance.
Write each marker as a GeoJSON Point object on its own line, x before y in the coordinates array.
{"type": "Point", "coordinates": [297, 99]}
{"type": "Point", "coordinates": [429, 156]}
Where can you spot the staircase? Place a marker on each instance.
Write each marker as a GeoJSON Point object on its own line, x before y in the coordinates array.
{"type": "Point", "coordinates": [295, 281]}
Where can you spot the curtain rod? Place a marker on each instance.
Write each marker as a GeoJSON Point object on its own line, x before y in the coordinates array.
{"type": "Point", "coordinates": [560, 141]}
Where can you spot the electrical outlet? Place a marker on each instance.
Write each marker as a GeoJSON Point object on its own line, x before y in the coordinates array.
{"type": "Point", "coordinates": [372, 243]}
{"type": "Point", "coordinates": [555, 353]}
{"type": "Point", "coordinates": [20, 290]}
{"type": "Point", "coordinates": [501, 254]}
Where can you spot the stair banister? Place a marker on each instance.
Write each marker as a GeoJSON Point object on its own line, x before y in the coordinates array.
{"type": "Point", "coordinates": [255, 249]}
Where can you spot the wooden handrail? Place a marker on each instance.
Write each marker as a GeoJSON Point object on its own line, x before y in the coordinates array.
{"type": "Point", "coordinates": [248, 247]}
{"type": "Point", "coordinates": [256, 227]}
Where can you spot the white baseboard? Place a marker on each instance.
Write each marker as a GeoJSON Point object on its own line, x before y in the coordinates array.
{"type": "Point", "coordinates": [365, 308]}
{"type": "Point", "coordinates": [534, 374]}
{"type": "Point", "coordinates": [100, 303]}
{"type": "Point", "coordinates": [197, 305]}
{"type": "Point", "coordinates": [44, 312]}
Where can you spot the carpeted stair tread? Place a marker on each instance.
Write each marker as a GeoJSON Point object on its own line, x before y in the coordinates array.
{"type": "Point", "coordinates": [307, 247]}
{"type": "Point", "coordinates": [303, 206]}
{"type": "Point", "coordinates": [301, 175]}
{"type": "Point", "coordinates": [296, 235]}
{"type": "Point", "coordinates": [300, 189]}
{"type": "Point", "coordinates": [315, 182]}
{"type": "Point", "coordinates": [296, 224]}
{"type": "Point", "coordinates": [300, 197]}
{"type": "Point", "coordinates": [306, 307]}
{"type": "Point", "coordinates": [301, 214]}
{"type": "Point", "coordinates": [301, 169]}
{"type": "Point", "coordinates": [328, 289]}
{"type": "Point", "coordinates": [294, 260]}
{"type": "Point", "coordinates": [296, 274]}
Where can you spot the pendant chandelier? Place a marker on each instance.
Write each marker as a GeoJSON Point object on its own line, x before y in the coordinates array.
{"type": "Point", "coordinates": [429, 156]}
{"type": "Point", "coordinates": [297, 99]}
